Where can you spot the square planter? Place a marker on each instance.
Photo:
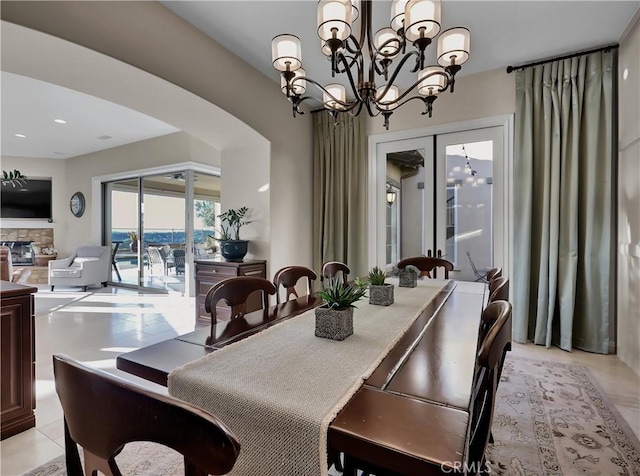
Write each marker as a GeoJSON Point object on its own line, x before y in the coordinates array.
{"type": "Point", "coordinates": [408, 278]}
{"type": "Point", "coordinates": [335, 324]}
{"type": "Point", "coordinates": [381, 295]}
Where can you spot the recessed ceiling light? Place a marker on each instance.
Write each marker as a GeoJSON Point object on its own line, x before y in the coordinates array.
{"type": "Point", "coordinates": [60, 121]}
{"type": "Point", "coordinates": [59, 153]}
{"type": "Point", "coordinates": [105, 137]}
{"type": "Point", "coordinates": [22, 136]}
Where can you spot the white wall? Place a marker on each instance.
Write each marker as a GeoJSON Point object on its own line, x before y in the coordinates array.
{"type": "Point", "coordinates": [246, 183]}
{"type": "Point", "coordinates": [628, 285]}
{"type": "Point", "coordinates": [486, 94]}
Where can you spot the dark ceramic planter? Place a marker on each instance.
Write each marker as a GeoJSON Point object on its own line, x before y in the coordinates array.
{"type": "Point", "coordinates": [234, 250]}
{"type": "Point", "coordinates": [333, 323]}
{"type": "Point", "coordinates": [381, 295]}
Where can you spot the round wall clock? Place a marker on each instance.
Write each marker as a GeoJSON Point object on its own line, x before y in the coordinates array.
{"type": "Point", "coordinates": [77, 204]}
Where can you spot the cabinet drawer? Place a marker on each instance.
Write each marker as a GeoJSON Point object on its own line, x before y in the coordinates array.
{"type": "Point", "coordinates": [253, 270]}
{"type": "Point", "coordinates": [216, 271]}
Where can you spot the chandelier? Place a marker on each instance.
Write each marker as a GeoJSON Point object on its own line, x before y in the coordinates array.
{"type": "Point", "coordinates": [415, 22]}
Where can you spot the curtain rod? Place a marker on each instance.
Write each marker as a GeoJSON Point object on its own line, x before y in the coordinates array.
{"type": "Point", "coordinates": [606, 49]}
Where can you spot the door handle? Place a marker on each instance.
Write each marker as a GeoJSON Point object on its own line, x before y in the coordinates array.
{"type": "Point", "coordinates": [439, 253]}
{"type": "Point", "coordinates": [429, 253]}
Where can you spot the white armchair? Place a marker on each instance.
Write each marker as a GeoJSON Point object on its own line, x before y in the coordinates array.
{"type": "Point", "coordinates": [89, 265]}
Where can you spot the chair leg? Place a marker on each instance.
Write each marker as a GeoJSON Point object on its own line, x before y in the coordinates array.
{"type": "Point", "coordinates": [52, 288]}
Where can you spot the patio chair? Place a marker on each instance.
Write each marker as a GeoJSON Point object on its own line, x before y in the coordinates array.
{"type": "Point", "coordinates": [481, 274]}
{"type": "Point", "coordinates": [178, 261]}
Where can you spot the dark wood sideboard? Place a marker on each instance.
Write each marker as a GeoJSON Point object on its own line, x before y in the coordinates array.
{"type": "Point", "coordinates": [17, 334]}
{"type": "Point", "coordinates": [210, 272]}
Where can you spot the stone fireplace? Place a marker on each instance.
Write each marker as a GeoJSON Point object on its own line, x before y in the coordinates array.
{"type": "Point", "coordinates": [19, 241]}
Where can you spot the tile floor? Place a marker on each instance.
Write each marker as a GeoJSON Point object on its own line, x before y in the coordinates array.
{"type": "Point", "coordinates": [95, 327]}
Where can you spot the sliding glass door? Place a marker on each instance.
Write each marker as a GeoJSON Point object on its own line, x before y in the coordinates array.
{"type": "Point", "coordinates": [157, 225]}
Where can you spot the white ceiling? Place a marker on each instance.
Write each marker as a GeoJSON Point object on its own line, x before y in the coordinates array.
{"type": "Point", "coordinates": [29, 107]}
{"type": "Point", "coordinates": [502, 33]}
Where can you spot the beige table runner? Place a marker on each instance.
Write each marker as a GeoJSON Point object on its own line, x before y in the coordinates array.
{"type": "Point", "coordinates": [279, 390]}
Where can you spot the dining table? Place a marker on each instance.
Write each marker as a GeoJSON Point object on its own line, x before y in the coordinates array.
{"type": "Point", "coordinates": [408, 412]}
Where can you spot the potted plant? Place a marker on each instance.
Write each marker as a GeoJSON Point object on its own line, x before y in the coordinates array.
{"type": "Point", "coordinates": [334, 319]}
{"type": "Point", "coordinates": [231, 246]}
{"type": "Point", "coordinates": [43, 254]}
{"type": "Point", "coordinates": [380, 293]}
{"type": "Point", "coordinates": [133, 238]}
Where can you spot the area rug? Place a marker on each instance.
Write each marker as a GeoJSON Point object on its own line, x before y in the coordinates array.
{"type": "Point", "coordinates": [551, 419]}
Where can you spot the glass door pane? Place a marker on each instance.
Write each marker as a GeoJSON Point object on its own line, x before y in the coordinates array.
{"type": "Point", "coordinates": [465, 227]}
{"type": "Point", "coordinates": [121, 230]}
{"type": "Point", "coordinates": [402, 229]}
{"type": "Point", "coordinates": [163, 231]}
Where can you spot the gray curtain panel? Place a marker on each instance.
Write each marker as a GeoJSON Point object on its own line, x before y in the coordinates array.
{"type": "Point", "coordinates": [563, 202]}
{"type": "Point", "coordinates": [340, 191]}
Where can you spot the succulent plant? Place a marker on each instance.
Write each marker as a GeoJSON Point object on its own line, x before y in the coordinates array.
{"type": "Point", "coordinates": [377, 276]}
{"type": "Point", "coordinates": [338, 296]}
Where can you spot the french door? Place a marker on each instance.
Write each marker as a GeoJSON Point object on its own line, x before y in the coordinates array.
{"type": "Point", "coordinates": [450, 191]}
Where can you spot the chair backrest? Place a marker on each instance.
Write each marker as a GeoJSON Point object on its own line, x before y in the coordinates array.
{"type": "Point", "coordinates": [427, 264]}
{"type": "Point", "coordinates": [473, 265]}
{"type": "Point", "coordinates": [499, 289]}
{"type": "Point", "coordinates": [93, 252]}
{"type": "Point", "coordinates": [494, 273]}
{"type": "Point", "coordinates": [332, 269]}
{"type": "Point", "coordinates": [289, 276]}
{"type": "Point", "coordinates": [155, 259]}
{"type": "Point", "coordinates": [235, 291]}
{"type": "Point", "coordinates": [103, 412]}
{"type": "Point", "coordinates": [490, 359]}
{"type": "Point", "coordinates": [179, 259]}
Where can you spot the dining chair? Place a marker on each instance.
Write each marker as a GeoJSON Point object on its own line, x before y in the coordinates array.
{"type": "Point", "coordinates": [427, 264]}
{"type": "Point", "coordinates": [235, 292]}
{"type": "Point", "coordinates": [499, 289]}
{"type": "Point", "coordinates": [289, 276]}
{"type": "Point", "coordinates": [490, 361]}
{"type": "Point", "coordinates": [332, 269]}
{"type": "Point", "coordinates": [494, 273]}
{"type": "Point", "coordinates": [103, 412]}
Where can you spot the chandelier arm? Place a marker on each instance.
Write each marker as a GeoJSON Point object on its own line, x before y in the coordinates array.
{"type": "Point", "coordinates": [348, 106]}
{"type": "Point", "coordinates": [397, 70]}
{"type": "Point", "coordinates": [354, 88]}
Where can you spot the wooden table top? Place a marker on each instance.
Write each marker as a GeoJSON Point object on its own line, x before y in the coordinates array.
{"type": "Point", "coordinates": [411, 414]}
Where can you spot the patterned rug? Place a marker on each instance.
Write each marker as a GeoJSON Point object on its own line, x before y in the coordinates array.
{"type": "Point", "coordinates": [553, 419]}
{"type": "Point", "coordinates": [550, 419]}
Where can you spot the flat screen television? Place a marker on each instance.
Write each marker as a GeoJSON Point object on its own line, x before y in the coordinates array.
{"type": "Point", "coordinates": [32, 199]}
